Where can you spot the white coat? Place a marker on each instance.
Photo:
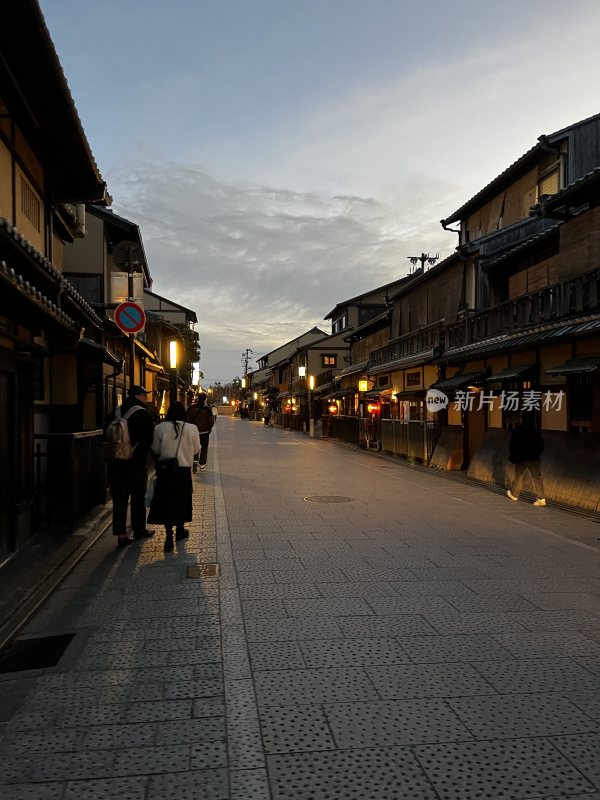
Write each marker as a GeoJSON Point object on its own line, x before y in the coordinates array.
{"type": "Point", "coordinates": [164, 443]}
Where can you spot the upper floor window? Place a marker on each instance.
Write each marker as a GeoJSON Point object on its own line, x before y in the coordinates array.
{"type": "Point", "coordinates": [551, 180]}
{"type": "Point", "coordinates": [340, 324]}
{"type": "Point", "coordinates": [328, 360]}
{"type": "Point", "coordinates": [30, 204]}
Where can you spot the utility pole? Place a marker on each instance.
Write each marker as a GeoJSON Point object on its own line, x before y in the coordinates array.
{"type": "Point", "coordinates": [245, 358]}
{"type": "Point", "coordinates": [423, 258]}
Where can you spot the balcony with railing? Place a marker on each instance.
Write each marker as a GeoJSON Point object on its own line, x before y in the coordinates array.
{"type": "Point", "coordinates": [326, 377]}
{"type": "Point", "coordinates": [412, 344]}
{"type": "Point", "coordinates": [576, 297]}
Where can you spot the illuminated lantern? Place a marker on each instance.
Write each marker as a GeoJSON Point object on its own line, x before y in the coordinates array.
{"type": "Point", "coordinates": [333, 409]}
{"type": "Point", "coordinates": [373, 408]}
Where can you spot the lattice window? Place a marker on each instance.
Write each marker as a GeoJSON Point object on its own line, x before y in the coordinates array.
{"type": "Point", "coordinates": [30, 204]}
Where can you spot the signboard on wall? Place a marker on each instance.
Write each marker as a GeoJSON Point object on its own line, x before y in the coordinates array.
{"type": "Point", "coordinates": [119, 287]}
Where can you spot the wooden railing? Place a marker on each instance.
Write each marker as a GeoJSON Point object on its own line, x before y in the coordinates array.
{"type": "Point", "coordinates": [580, 295]}
{"type": "Point", "coordinates": [408, 345]}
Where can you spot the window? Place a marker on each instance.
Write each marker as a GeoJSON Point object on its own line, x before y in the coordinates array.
{"type": "Point", "coordinates": [384, 380]}
{"type": "Point", "coordinates": [30, 204]}
{"type": "Point", "coordinates": [328, 360]}
{"type": "Point", "coordinates": [340, 324]}
{"type": "Point", "coordinates": [549, 184]}
{"type": "Point", "coordinates": [413, 378]}
{"type": "Point", "coordinates": [551, 180]}
{"type": "Point", "coordinates": [38, 383]}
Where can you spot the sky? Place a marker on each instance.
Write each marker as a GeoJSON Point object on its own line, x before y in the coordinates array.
{"type": "Point", "coordinates": [282, 156]}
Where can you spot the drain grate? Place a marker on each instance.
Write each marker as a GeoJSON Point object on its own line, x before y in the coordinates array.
{"type": "Point", "coordinates": [203, 571]}
{"type": "Point", "coordinates": [327, 498]}
{"type": "Point", "coordinates": [39, 653]}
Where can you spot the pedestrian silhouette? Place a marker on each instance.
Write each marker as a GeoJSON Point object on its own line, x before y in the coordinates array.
{"type": "Point", "coordinates": [525, 448]}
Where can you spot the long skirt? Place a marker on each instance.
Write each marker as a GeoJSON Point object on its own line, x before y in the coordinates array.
{"type": "Point", "coordinates": [172, 501]}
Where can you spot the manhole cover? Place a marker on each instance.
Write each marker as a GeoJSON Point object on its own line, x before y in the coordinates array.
{"type": "Point", "coordinates": [39, 653]}
{"type": "Point", "coordinates": [204, 571]}
{"type": "Point", "coordinates": [327, 498]}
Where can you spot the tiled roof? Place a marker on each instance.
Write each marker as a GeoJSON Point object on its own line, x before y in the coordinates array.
{"type": "Point", "coordinates": [415, 360]}
{"type": "Point", "coordinates": [519, 339]}
{"type": "Point", "coordinates": [9, 276]}
{"type": "Point", "coordinates": [366, 325]}
{"type": "Point", "coordinates": [49, 267]}
{"type": "Point", "coordinates": [533, 240]}
{"type": "Point", "coordinates": [360, 367]}
{"type": "Point", "coordinates": [516, 165]}
{"type": "Point", "coordinates": [564, 195]}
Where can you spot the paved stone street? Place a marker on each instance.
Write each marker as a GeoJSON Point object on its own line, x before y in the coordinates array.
{"type": "Point", "coordinates": [421, 638]}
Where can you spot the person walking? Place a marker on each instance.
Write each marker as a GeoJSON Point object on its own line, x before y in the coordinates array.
{"type": "Point", "coordinates": [174, 444]}
{"type": "Point", "coordinates": [200, 414]}
{"type": "Point", "coordinates": [128, 477]}
{"type": "Point", "coordinates": [525, 448]}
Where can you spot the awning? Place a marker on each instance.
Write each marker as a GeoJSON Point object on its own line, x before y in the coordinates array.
{"type": "Point", "coordinates": [341, 393]}
{"type": "Point", "coordinates": [416, 360]}
{"type": "Point", "coordinates": [323, 388]}
{"type": "Point", "coordinates": [416, 394]}
{"type": "Point", "coordinates": [459, 381]}
{"type": "Point", "coordinates": [576, 366]}
{"type": "Point", "coordinates": [361, 367]}
{"type": "Point", "coordinates": [99, 351]}
{"type": "Point", "coordinates": [152, 362]}
{"type": "Point", "coordinates": [510, 373]}
{"type": "Point", "coordinates": [374, 393]}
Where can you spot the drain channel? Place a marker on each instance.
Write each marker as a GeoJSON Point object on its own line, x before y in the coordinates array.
{"type": "Point", "coordinates": [39, 653]}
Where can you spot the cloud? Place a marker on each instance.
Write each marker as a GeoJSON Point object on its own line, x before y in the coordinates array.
{"type": "Point", "coordinates": [261, 265]}
{"type": "Point", "coordinates": [460, 121]}
{"type": "Point", "coordinates": [325, 198]}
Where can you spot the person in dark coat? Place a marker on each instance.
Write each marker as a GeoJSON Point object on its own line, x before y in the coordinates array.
{"type": "Point", "coordinates": [171, 504]}
{"type": "Point", "coordinates": [525, 449]}
{"type": "Point", "coordinates": [201, 415]}
{"type": "Point", "coordinates": [129, 477]}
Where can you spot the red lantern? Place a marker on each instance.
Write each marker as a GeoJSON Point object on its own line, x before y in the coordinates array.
{"type": "Point", "coordinates": [373, 408]}
{"type": "Point", "coordinates": [333, 409]}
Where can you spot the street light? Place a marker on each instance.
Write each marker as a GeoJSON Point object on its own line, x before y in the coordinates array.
{"type": "Point", "coordinates": [311, 422]}
{"type": "Point", "coordinates": [172, 371]}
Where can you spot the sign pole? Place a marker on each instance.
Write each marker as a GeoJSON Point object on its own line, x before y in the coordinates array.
{"type": "Point", "coordinates": [131, 299]}
{"type": "Point", "coordinates": [130, 318]}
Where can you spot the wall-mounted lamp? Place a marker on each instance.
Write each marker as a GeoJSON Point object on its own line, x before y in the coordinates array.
{"type": "Point", "coordinates": [302, 372]}
{"type": "Point", "coordinates": [172, 371]}
{"type": "Point", "coordinates": [311, 382]}
{"type": "Point", "coordinates": [173, 354]}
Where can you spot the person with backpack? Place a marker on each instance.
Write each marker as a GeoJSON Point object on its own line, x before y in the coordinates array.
{"type": "Point", "coordinates": [200, 414]}
{"type": "Point", "coordinates": [128, 438]}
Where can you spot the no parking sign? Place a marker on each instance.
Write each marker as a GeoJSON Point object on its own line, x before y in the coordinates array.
{"type": "Point", "coordinates": [130, 317]}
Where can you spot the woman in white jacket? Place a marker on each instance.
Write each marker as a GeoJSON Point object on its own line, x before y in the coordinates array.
{"type": "Point", "coordinates": [172, 501]}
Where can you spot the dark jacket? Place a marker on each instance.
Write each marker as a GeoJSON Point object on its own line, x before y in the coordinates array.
{"type": "Point", "coordinates": [201, 416]}
{"type": "Point", "coordinates": [526, 444]}
{"type": "Point", "coordinates": [141, 429]}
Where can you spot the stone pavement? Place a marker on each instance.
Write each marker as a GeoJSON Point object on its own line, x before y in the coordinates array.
{"type": "Point", "coordinates": [376, 633]}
